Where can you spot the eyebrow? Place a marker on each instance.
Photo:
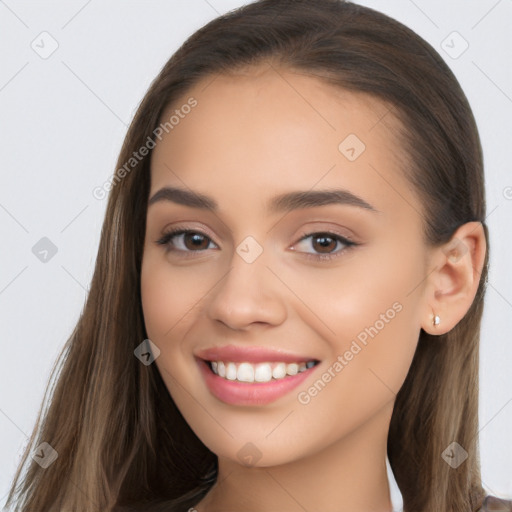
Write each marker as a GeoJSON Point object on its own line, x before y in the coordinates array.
{"type": "Point", "coordinates": [281, 203]}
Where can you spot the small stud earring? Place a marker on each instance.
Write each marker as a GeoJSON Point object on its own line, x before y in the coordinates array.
{"type": "Point", "coordinates": [436, 320]}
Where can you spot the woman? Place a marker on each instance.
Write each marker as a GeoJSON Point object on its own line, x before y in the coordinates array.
{"type": "Point", "coordinates": [324, 165]}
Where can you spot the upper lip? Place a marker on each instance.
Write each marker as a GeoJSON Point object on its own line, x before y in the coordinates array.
{"type": "Point", "coordinates": [252, 354]}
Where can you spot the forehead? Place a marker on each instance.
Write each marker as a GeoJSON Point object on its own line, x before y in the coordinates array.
{"type": "Point", "coordinates": [265, 128]}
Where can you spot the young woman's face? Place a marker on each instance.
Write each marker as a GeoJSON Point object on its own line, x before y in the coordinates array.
{"type": "Point", "coordinates": [280, 275]}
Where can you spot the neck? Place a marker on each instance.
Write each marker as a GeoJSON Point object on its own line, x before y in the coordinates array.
{"type": "Point", "coordinates": [348, 475]}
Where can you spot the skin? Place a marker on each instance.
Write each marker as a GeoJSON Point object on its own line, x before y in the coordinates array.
{"type": "Point", "coordinates": [252, 135]}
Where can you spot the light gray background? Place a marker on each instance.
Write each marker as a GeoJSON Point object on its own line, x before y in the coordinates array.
{"type": "Point", "coordinates": [63, 119]}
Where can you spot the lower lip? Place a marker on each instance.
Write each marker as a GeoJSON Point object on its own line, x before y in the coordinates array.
{"type": "Point", "coordinates": [247, 393]}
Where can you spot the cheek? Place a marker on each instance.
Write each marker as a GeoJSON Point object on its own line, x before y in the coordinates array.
{"type": "Point", "coordinates": [168, 298]}
{"type": "Point", "coordinates": [369, 316]}
{"type": "Point", "coordinates": [361, 378]}
{"type": "Point", "coordinates": [167, 303]}
{"type": "Point", "coordinates": [158, 305]}
{"type": "Point", "coordinates": [370, 355]}
{"type": "Point", "coordinates": [375, 286]}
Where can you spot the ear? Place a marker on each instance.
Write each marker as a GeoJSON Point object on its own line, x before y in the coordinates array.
{"type": "Point", "coordinates": [453, 283]}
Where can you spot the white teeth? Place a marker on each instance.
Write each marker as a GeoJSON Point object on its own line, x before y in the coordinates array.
{"type": "Point", "coordinates": [245, 372]}
{"type": "Point", "coordinates": [231, 371]}
{"type": "Point", "coordinates": [292, 369]}
{"type": "Point", "coordinates": [261, 372]}
{"type": "Point", "coordinates": [279, 371]}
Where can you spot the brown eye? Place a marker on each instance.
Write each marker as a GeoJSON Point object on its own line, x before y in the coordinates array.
{"type": "Point", "coordinates": [185, 240]}
{"type": "Point", "coordinates": [193, 240]}
{"type": "Point", "coordinates": [325, 244]}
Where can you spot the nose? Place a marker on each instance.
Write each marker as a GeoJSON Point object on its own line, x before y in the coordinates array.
{"type": "Point", "coordinates": [249, 293]}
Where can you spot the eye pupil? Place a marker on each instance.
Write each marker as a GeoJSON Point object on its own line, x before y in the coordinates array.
{"type": "Point", "coordinates": [325, 241]}
{"type": "Point", "coordinates": [196, 239]}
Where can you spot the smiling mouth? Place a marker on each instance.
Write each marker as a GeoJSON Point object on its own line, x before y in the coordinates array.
{"type": "Point", "coordinates": [258, 372]}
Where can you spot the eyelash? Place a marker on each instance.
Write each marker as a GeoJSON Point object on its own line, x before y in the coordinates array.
{"type": "Point", "coordinates": [167, 237]}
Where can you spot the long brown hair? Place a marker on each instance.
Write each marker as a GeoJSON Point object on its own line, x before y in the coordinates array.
{"type": "Point", "coordinates": [121, 442]}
